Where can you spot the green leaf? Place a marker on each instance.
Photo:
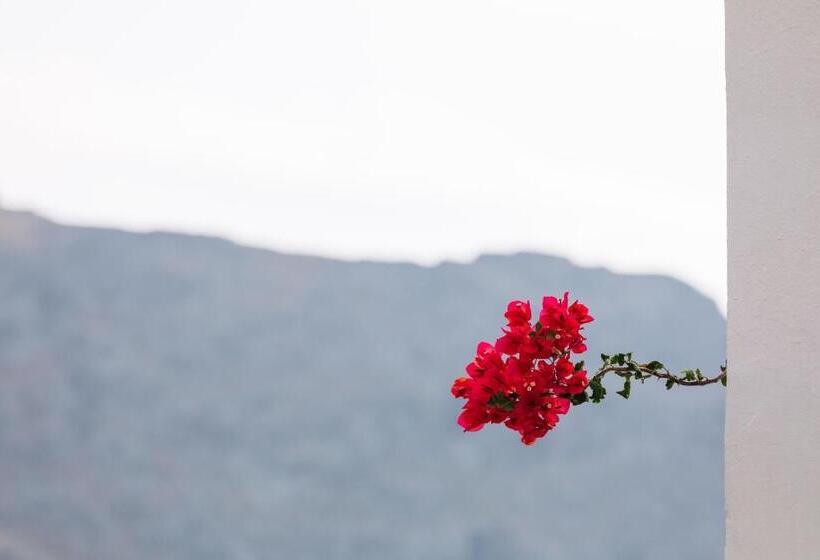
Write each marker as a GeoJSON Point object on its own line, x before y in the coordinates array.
{"type": "Point", "coordinates": [502, 401]}
{"type": "Point", "coordinates": [598, 391]}
{"type": "Point", "coordinates": [580, 398]}
{"type": "Point", "coordinates": [723, 381]}
{"type": "Point", "coordinates": [654, 365]}
{"type": "Point", "coordinates": [604, 357]}
{"type": "Point", "coordinates": [579, 366]}
{"type": "Point", "coordinates": [626, 390]}
{"type": "Point", "coordinates": [670, 383]}
{"type": "Point", "coordinates": [689, 374]}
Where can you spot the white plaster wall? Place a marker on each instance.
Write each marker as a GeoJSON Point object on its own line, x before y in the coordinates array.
{"type": "Point", "coordinates": [773, 410]}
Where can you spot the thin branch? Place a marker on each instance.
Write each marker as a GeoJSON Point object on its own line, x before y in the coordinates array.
{"type": "Point", "coordinates": [640, 372]}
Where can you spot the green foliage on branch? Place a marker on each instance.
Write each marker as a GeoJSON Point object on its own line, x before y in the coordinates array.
{"type": "Point", "coordinates": [623, 365]}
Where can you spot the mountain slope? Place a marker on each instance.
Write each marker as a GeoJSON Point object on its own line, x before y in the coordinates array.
{"type": "Point", "coordinates": [169, 396]}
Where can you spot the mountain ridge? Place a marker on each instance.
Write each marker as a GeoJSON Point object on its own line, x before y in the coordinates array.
{"type": "Point", "coordinates": [489, 256]}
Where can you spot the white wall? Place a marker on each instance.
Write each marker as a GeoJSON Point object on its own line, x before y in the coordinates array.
{"type": "Point", "coordinates": [773, 412]}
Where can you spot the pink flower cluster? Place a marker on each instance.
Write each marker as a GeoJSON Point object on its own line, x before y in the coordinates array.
{"type": "Point", "coordinates": [525, 380]}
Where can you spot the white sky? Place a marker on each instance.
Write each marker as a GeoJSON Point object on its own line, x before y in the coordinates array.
{"type": "Point", "coordinates": [419, 130]}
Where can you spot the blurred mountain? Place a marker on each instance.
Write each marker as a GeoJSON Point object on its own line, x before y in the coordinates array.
{"type": "Point", "coordinates": [167, 396]}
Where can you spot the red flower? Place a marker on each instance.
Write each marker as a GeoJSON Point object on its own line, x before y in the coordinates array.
{"type": "Point", "coordinates": [487, 359]}
{"type": "Point", "coordinates": [578, 384]}
{"type": "Point", "coordinates": [564, 370]}
{"type": "Point", "coordinates": [517, 339]}
{"type": "Point", "coordinates": [580, 312]}
{"type": "Point", "coordinates": [525, 378]}
{"type": "Point", "coordinates": [473, 418]}
{"type": "Point", "coordinates": [571, 379]}
{"type": "Point", "coordinates": [563, 322]}
{"type": "Point", "coordinates": [461, 387]}
{"type": "Point", "coordinates": [518, 313]}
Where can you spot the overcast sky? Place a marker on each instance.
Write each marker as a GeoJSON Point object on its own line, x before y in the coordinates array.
{"type": "Point", "coordinates": [421, 130]}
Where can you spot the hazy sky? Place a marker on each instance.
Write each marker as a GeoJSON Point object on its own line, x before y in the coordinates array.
{"type": "Point", "coordinates": [421, 130]}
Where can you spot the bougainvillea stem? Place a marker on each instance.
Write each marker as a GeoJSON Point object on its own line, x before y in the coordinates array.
{"type": "Point", "coordinates": [646, 372]}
